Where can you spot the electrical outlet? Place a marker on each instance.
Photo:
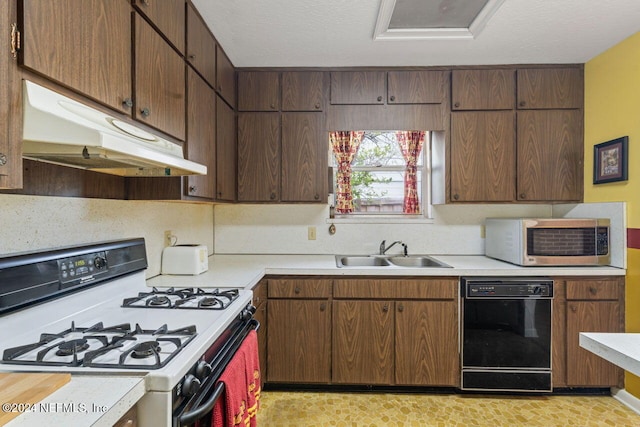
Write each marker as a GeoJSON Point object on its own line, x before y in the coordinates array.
{"type": "Point", "coordinates": [311, 233]}
{"type": "Point", "coordinates": [168, 237]}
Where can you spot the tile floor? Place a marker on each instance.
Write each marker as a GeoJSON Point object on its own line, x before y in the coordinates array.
{"type": "Point", "coordinates": [316, 409]}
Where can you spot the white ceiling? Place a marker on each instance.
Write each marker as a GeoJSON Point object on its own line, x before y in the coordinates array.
{"type": "Point", "coordinates": [339, 33]}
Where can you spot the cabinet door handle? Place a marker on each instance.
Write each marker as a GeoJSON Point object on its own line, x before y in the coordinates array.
{"type": "Point", "coordinates": [272, 196]}
{"type": "Point", "coordinates": [522, 103]}
{"type": "Point", "coordinates": [401, 308]}
{"type": "Point", "coordinates": [192, 189]}
{"type": "Point", "coordinates": [573, 308]}
{"type": "Point", "coordinates": [317, 106]}
{"type": "Point", "coordinates": [192, 57]}
{"type": "Point", "coordinates": [316, 197]}
{"type": "Point", "coordinates": [273, 106]}
{"type": "Point", "coordinates": [456, 196]}
{"type": "Point", "coordinates": [523, 195]}
{"type": "Point", "coordinates": [323, 306]}
{"type": "Point", "coordinates": [379, 99]}
{"type": "Point", "coordinates": [3, 159]}
{"type": "Point", "coordinates": [145, 2]}
{"type": "Point", "coordinates": [593, 290]}
{"type": "Point", "coordinates": [127, 102]}
{"type": "Point", "coordinates": [297, 290]}
{"type": "Point", "coordinates": [392, 98]}
{"type": "Point", "coordinates": [145, 112]}
{"type": "Point", "coordinates": [385, 308]}
{"type": "Point", "coordinates": [457, 104]}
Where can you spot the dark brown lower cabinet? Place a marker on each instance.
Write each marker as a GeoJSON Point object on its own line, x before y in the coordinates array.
{"type": "Point", "coordinates": [299, 341]}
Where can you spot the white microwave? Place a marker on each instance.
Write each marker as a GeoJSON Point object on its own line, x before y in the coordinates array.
{"type": "Point", "coordinates": [548, 241]}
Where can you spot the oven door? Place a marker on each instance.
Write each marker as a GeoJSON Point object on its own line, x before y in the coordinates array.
{"type": "Point", "coordinates": [198, 409]}
{"type": "Point", "coordinates": [506, 344]}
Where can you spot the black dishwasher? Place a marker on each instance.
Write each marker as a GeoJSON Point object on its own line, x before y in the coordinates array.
{"type": "Point", "coordinates": [506, 334]}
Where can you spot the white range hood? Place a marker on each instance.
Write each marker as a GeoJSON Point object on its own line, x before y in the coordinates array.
{"type": "Point", "coordinates": [60, 130]}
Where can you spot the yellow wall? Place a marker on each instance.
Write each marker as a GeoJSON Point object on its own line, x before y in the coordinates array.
{"type": "Point", "coordinates": [612, 110]}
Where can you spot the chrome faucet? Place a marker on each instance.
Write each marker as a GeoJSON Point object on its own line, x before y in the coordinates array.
{"type": "Point", "coordinates": [384, 249]}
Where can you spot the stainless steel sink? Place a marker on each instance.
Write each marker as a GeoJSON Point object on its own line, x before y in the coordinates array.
{"type": "Point", "coordinates": [411, 261]}
{"type": "Point", "coordinates": [361, 261]}
{"type": "Point", "coordinates": [417, 261]}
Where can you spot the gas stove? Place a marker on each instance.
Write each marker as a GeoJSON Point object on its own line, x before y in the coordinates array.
{"type": "Point", "coordinates": [86, 310]}
{"type": "Point", "coordinates": [186, 298]}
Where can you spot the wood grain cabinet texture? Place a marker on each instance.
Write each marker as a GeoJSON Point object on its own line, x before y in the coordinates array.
{"type": "Point", "coordinates": [226, 147]}
{"type": "Point", "coordinates": [484, 151]}
{"type": "Point", "coordinates": [225, 77]}
{"type": "Point", "coordinates": [258, 91]}
{"type": "Point", "coordinates": [96, 36]}
{"type": "Point", "coordinates": [585, 305]}
{"type": "Point", "coordinates": [550, 88]}
{"type": "Point", "coordinates": [303, 90]}
{"type": "Point", "coordinates": [259, 157]}
{"type": "Point", "coordinates": [168, 16]}
{"type": "Point", "coordinates": [299, 335]}
{"type": "Point", "coordinates": [358, 87]}
{"type": "Point", "coordinates": [10, 104]}
{"type": "Point", "coordinates": [201, 46]}
{"type": "Point", "coordinates": [484, 89]}
{"type": "Point", "coordinates": [417, 87]}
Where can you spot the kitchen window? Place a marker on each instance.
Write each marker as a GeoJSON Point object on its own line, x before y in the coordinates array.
{"type": "Point", "coordinates": [380, 173]}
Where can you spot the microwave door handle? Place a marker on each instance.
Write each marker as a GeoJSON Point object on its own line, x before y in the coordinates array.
{"type": "Point", "coordinates": [199, 412]}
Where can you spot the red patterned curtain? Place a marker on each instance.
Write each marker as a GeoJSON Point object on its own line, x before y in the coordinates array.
{"type": "Point", "coordinates": [345, 146]}
{"type": "Point", "coordinates": [411, 144]}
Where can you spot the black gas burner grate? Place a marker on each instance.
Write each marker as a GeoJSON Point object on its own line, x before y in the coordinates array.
{"type": "Point", "coordinates": [116, 346]}
{"type": "Point", "coordinates": [184, 298]}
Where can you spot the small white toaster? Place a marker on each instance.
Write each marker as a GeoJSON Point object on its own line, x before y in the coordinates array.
{"type": "Point", "coordinates": [185, 259]}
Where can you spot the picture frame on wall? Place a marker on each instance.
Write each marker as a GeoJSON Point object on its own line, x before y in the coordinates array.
{"type": "Point", "coordinates": [610, 161]}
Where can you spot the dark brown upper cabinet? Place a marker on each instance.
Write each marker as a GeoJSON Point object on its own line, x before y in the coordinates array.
{"type": "Point", "coordinates": [201, 46]}
{"type": "Point", "coordinates": [225, 77]}
{"type": "Point", "coordinates": [483, 156]}
{"type": "Point", "coordinates": [483, 89]}
{"type": "Point", "coordinates": [160, 82]}
{"type": "Point", "coordinates": [304, 157]}
{"type": "Point", "coordinates": [258, 91]}
{"type": "Point", "coordinates": [84, 45]}
{"type": "Point", "coordinates": [168, 16]}
{"type": "Point", "coordinates": [201, 135]}
{"type": "Point", "coordinates": [358, 87]}
{"type": "Point", "coordinates": [543, 88]}
{"type": "Point", "coordinates": [303, 90]}
{"type": "Point", "coordinates": [258, 157]}
{"type": "Point", "coordinates": [226, 132]}
{"type": "Point", "coordinates": [417, 87]}
{"type": "Point", "coordinates": [549, 155]}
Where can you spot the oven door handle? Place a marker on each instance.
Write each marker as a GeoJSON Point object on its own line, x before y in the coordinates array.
{"type": "Point", "coordinates": [197, 413]}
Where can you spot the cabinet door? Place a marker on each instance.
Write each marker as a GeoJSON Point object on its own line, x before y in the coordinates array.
{"type": "Point", "coordinates": [261, 316]}
{"type": "Point", "coordinates": [258, 157]}
{"type": "Point", "coordinates": [166, 15]}
{"type": "Point", "coordinates": [483, 156]}
{"type": "Point", "coordinates": [550, 88]}
{"type": "Point", "coordinates": [549, 155]}
{"type": "Point", "coordinates": [363, 342]}
{"type": "Point", "coordinates": [304, 158]}
{"type": "Point", "coordinates": [585, 368]}
{"type": "Point", "coordinates": [85, 45]}
{"type": "Point", "coordinates": [10, 104]}
{"type": "Point", "coordinates": [201, 136]}
{"type": "Point", "coordinates": [201, 46]}
{"type": "Point", "coordinates": [160, 82]}
{"type": "Point", "coordinates": [258, 91]}
{"type": "Point", "coordinates": [426, 349]}
{"type": "Point", "coordinates": [358, 87]}
{"type": "Point", "coordinates": [417, 87]}
{"type": "Point", "coordinates": [225, 151]}
{"type": "Point", "coordinates": [299, 340]}
{"type": "Point", "coordinates": [225, 77]}
{"type": "Point", "coordinates": [303, 90]}
{"type": "Point", "coordinates": [482, 89]}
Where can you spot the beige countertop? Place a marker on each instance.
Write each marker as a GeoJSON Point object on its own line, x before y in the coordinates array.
{"type": "Point", "coordinates": [244, 271]}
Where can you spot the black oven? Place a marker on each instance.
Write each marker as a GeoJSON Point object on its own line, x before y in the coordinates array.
{"type": "Point", "coordinates": [506, 334]}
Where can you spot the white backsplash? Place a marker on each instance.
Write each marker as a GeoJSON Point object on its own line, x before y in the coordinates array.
{"type": "Point", "coordinates": [31, 223]}
{"type": "Point", "coordinates": [282, 229]}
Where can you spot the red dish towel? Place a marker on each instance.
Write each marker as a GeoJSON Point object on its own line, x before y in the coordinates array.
{"type": "Point", "coordinates": [239, 404]}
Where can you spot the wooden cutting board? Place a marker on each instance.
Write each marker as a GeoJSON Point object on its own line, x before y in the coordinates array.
{"type": "Point", "coordinates": [26, 388]}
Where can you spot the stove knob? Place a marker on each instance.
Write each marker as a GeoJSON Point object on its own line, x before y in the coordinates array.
{"type": "Point", "coordinates": [99, 262]}
{"type": "Point", "coordinates": [247, 313]}
{"type": "Point", "coordinates": [537, 290]}
{"type": "Point", "coordinates": [203, 369]}
{"type": "Point", "coordinates": [190, 385]}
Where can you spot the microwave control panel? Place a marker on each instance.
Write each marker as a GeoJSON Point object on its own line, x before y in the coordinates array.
{"type": "Point", "coordinates": [602, 241]}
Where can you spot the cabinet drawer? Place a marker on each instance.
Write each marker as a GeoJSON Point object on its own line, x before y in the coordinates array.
{"type": "Point", "coordinates": [299, 288]}
{"type": "Point", "coordinates": [445, 288]}
{"type": "Point", "coordinates": [593, 289]}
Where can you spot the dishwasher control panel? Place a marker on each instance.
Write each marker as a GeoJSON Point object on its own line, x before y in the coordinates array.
{"type": "Point", "coordinates": [507, 288]}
